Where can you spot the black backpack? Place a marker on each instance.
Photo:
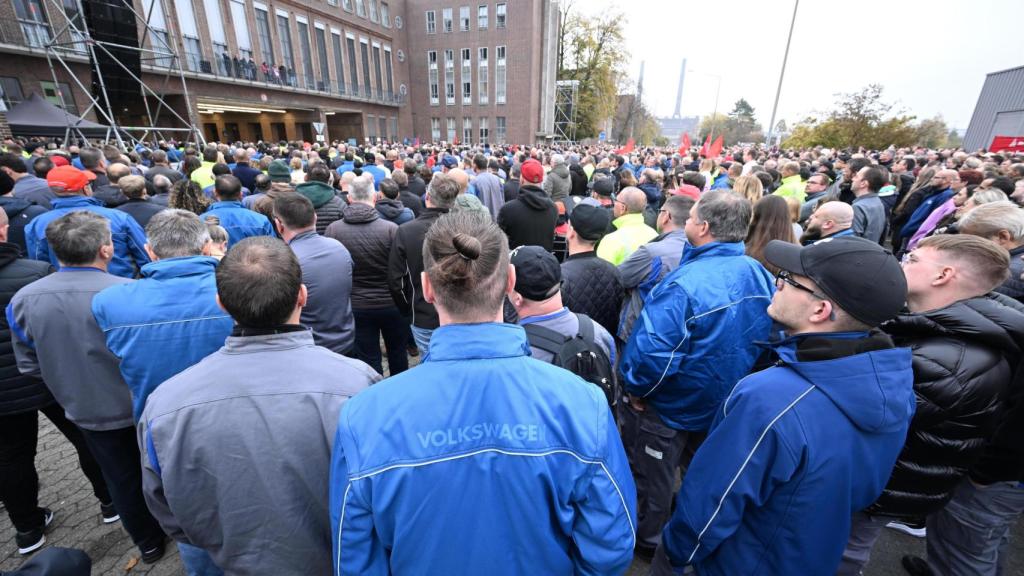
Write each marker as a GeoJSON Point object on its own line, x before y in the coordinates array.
{"type": "Point", "coordinates": [579, 354]}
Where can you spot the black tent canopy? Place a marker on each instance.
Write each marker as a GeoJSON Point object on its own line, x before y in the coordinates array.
{"type": "Point", "coordinates": [35, 116]}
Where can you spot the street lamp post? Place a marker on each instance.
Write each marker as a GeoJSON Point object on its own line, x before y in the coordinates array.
{"type": "Point", "coordinates": [782, 73]}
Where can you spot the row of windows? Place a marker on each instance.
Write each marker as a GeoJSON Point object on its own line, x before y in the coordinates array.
{"type": "Point", "coordinates": [367, 8]}
{"type": "Point", "coordinates": [59, 94]}
{"type": "Point", "coordinates": [466, 88]}
{"type": "Point", "coordinates": [482, 17]}
{"type": "Point", "coordinates": [382, 127]}
{"type": "Point", "coordinates": [466, 137]}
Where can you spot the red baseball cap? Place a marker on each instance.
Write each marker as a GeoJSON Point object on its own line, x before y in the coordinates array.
{"type": "Point", "coordinates": [688, 190]}
{"type": "Point", "coordinates": [532, 171]}
{"type": "Point", "coordinates": [59, 160]}
{"type": "Point", "coordinates": [68, 179]}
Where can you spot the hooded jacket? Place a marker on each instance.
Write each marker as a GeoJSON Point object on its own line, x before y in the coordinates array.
{"type": "Point", "coordinates": [794, 450]}
{"type": "Point", "coordinates": [404, 266]}
{"type": "Point", "coordinates": [557, 183]}
{"type": "Point", "coordinates": [579, 180]}
{"type": "Point", "coordinates": [18, 393]}
{"type": "Point", "coordinates": [392, 210]}
{"type": "Point", "coordinates": [695, 336]}
{"type": "Point", "coordinates": [326, 204]}
{"type": "Point", "coordinates": [163, 323]}
{"type": "Point", "coordinates": [19, 213]}
{"type": "Point", "coordinates": [481, 460]}
{"type": "Point", "coordinates": [530, 219]}
{"type": "Point", "coordinates": [368, 238]}
{"type": "Point", "coordinates": [964, 358]}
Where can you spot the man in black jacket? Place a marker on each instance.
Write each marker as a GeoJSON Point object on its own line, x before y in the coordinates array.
{"type": "Point", "coordinates": [530, 219]}
{"type": "Point", "coordinates": [21, 399]}
{"type": "Point", "coordinates": [138, 205]}
{"type": "Point", "coordinates": [965, 346]}
{"type": "Point", "coordinates": [18, 212]}
{"type": "Point", "coordinates": [591, 285]}
{"type": "Point", "coordinates": [417, 187]}
{"type": "Point", "coordinates": [405, 263]}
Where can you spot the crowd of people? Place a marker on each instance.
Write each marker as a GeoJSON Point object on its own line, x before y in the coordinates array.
{"type": "Point", "coordinates": [748, 363]}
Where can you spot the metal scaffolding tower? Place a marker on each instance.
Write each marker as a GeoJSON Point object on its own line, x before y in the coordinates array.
{"type": "Point", "coordinates": [566, 98]}
{"type": "Point", "coordinates": [72, 36]}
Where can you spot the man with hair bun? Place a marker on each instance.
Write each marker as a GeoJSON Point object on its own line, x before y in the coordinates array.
{"type": "Point", "coordinates": [482, 459]}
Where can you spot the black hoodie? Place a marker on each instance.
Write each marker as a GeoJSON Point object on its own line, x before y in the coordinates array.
{"type": "Point", "coordinates": [19, 214]}
{"type": "Point", "coordinates": [530, 219]}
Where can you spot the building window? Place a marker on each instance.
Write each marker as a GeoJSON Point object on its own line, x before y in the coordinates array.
{"type": "Point", "coordinates": [241, 32]}
{"type": "Point", "coordinates": [364, 56]}
{"type": "Point", "coordinates": [285, 34]}
{"type": "Point", "coordinates": [346, 5]}
{"type": "Point", "coordinates": [449, 77]}
{"type": "Point", "coordinates": [499, 76]}
{"type": "Point", "coordinates": [385, 15]}
{"type": "Point", "coordinates": [446, 19]}
{"type": "Point", "coordinates": [432, 71]}
{"type": "Point", "coordinates": [373, 11]}
{"type": "Point", "coordinates": [382, 123]}
{"type": "Point", "coordinates": [467, 77]}
{"type": "Point", "coordinates": [431, 22]}
{"type": "Point", "coordinates": [193, 53]}
{"type": "Point", "coordinates": [378, 76]}
{"type": "Point", "coordinates": [451, 129]}
{"type": "Point", "coordinates": [464, 18]}
{"type": "Point", "coordinates": [499, 15]}
{"type": "Point", "coordinates": [307, 57]}
{"type": "Point", "coordinates": [321, 52]}
{"type": "Point", "coordinates": [393, 134]}
{"type": "Point", "coordinates": [435, 129]}
{"type": "Point", "coordinates": [215, 24]}
{"type": "Point", "coordinates": [371, 127]}
{"type": "Point", "coordinates": [388, 74]}
{"type": "Point", "coordinates": [223, 59]}
{"type": "Point", "coordinates": [263, 32]}
{"type": "Point", "coordinates": [350, 44]}
{"type": "Point", "coordinates": [76, 21]}
{"type": "Point", "coordinates": [339, 68]}
{"type": "Point", "coordinates": [361, 8]}
{"type": "Point", "coordinates": [33, 22]}
{"type": "Point", "coordinates": [10, 91]}
{"type": "Point", "coordinates": [481, 17]}
{"type": "Point", "coordinates": [482, 74]}
{"type": "Point", "coordinates": [332, 2]}
{"type": "Point", "coordinates": [484, 132]}
{"type": "Point", "coordinates": [500, 130]}
{"type": "Point", "coordinates": [160, 40]}
{"type": "Point", "coordinates": [467, 130]}
{"type": "Point", "coordinates": [60, 95]}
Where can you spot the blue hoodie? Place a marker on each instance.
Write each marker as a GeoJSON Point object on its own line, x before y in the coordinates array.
{"type": "Point", "coordinates": [793, 452]}
{"type": "Point", "coordinates": [481, 460]}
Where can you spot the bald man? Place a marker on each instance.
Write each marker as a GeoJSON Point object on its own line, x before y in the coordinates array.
{"type": "Point", "coordinates": [630, 230]}
{"type": "Point", "coordinates": [941, 189]}
{"type": "Point", "coordinates": [831, 219]}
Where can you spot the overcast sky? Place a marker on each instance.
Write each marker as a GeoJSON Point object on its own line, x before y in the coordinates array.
{"type": "Point", "coordinates": [931, 57]}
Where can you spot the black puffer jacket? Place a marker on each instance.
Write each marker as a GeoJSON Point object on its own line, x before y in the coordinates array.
{"type": "Point", "coordinates": [593, 286]}
{"type": "Point", "coordinates": [1014, 286]}
{"type": "Point", "coordinates": [530, 219]}
{"type": "Point", "coordinates": [964, 357]}
{"type": "Point", "coordinates": [18, 393]}
{"type": "Point", "coordinates": [328, 207]}
{"type": "Point", "coordinates": [368, 238]}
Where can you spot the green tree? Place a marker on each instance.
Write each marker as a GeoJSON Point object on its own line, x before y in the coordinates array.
{"type": "Point", "coordinates": [932, 132]}
{"type": "Point", "coordinates": [859, 119]}
{"type": "Point", "coordinates": [592, 49]}
{"type": "Point", "coordinates": [740, 125]}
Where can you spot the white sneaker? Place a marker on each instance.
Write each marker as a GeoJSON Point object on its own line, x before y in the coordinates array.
{"type": "Point", "coordinates": [915, 530]}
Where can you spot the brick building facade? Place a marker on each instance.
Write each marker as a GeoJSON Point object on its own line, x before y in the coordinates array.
{"type": "Point", "coordinates": [358, 66]}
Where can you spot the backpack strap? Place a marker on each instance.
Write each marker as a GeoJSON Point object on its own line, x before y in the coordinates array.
{"type": "Point", "coordinates": [545, 339]}
{"type": "Point", "coordinates": [586, 331]}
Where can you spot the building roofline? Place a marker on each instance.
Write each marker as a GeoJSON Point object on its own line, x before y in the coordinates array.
{"type": "Point", "coordinates": [1006, 70]}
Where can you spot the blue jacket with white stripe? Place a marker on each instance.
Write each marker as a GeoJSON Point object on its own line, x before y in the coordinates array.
{"type": "Point", "coordinates": [695, 337]}
{"type": "Point", "coordinates": [481, 460]}
{"type": "Point", "coordinates": [793, 452]}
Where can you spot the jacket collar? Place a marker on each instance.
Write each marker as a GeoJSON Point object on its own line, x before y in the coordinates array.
{"type": "Point", "coordinates": [276, 340]}
{"type": "Point", "coordinates": [75, 201]}
{"type": "Point", "coordinates": [477, 341]}
{"type": "Point", "coordinates": [795, 178]}
{"type": "Point", "coordinates": [225, 204]}
{"type": "Point", "coordinates": [629, 221]}
{"type": "Point", "coordinates": [179, 267]}
{"type": "Point", "coordinates": [581, 255]}
{"type": "Point", "coordinates": [713, 250]}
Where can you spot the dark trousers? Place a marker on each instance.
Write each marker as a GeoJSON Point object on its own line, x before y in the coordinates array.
{"type": "Point", "coordinates": [371, 324]}
{"type": "Point", "coordinates": [117, 452]}
{"type": "Point", "coordinates": [19, 483]}
{"type": "Point", "coordinates": [655, 452]}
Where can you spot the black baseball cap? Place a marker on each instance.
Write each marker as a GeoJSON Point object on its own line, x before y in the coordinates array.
{"type": "Point", "coordinates": [589, 221]}
{"type": "Point", "coordinates": [538, 274]}
{"type": "Point", "coordinates": [863, 279]}
{"type": "Point", "coordinates": [603, 186]}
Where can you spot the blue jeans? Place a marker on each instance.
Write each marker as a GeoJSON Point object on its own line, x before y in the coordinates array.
{"type": "Point", "coordinates": [197, 562]}
{"type": "Point", "coordinates": [970, 535]}
{"type": "Point", "coordinates": [422, 338]}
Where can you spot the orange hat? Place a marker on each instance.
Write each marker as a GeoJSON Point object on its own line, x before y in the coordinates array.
{"type": "Point", "coordinates": [68, 179]}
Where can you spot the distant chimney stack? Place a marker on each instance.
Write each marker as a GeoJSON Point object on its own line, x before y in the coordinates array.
{"type": "Point", "coordinates": [679, 92]}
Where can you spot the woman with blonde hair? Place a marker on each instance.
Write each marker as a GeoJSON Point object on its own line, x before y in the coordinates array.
{"type": "Point", "coordinates": [771, 221]}
{"type": "Point", "coordinates": [749, 187]}
{"type": "Point", "coordinates": [298, 176]}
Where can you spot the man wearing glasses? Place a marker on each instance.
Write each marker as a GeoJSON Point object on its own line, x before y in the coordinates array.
{"type": "Point", "coordinates": [798, 448]}
{"type": "Point", "coordinates": [817, 188]}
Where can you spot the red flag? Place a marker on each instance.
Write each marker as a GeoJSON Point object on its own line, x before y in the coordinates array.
{"type": "Point", "coordinates": [630, 144]}
{"type": "Point", "coordinates": [685, 146]}
{"type": "Point", "coordinates": [707, 143]}
{"type": "Point", "coordinates": [716, 148]}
